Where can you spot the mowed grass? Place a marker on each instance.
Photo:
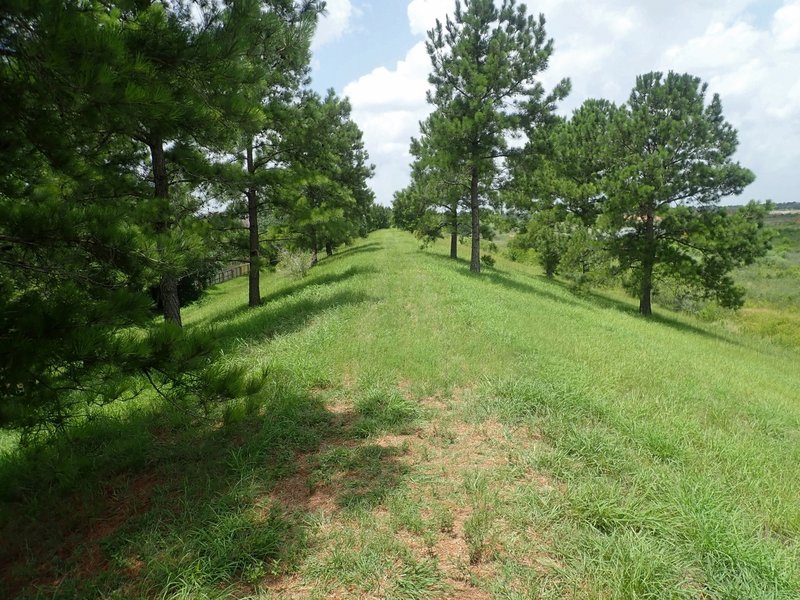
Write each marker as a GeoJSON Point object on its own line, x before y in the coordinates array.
{"type": "Point", "coordinates": [425, 433]}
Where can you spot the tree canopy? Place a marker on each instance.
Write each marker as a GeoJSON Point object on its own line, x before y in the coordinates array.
{"type": "Point", "coordinates": [670, 163]}
{"type": "Point", "coordinates": [643, 182]}
{"type": "Point", "coordinates": [484, 63]}
{"type": "Point", "coordinates": [121, 123]}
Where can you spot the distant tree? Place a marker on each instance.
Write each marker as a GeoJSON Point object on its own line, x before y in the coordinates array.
{"type": "Point", "coordinates": [379, 217]}
{"type": "Point", "coordinates": [577, 161]}
{"type": "Point", "coordinates": [438, 190]}
{"type": "Point", "coordinates": [543, 232]}
{"type": "Point", "coordinates": [484, 62]}
{"type": "Point", "coordinates": [325, 197]}
{"type": "Point", "coordinates": [669, 164]}
{"type": "Point", "coordinates": [406, 208]}
{"type": "Point", "coordinates": [558, 181]}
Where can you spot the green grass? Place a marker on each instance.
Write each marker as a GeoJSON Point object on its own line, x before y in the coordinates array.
{"type": "Point", "coordinates": [424, 433]}
{"type": "Point", "coordinates": [772, 284]}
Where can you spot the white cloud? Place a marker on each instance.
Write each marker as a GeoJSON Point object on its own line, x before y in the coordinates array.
{"type": "Point", "coordinates": [388, 105]}
{"type": "Point", "coordinates": [422, 14]}
{"type": "Point", "coordinates": [755, 72]}
{"type": "Point", "coordinates": [333, 24]}
{"type": "Point", "coordinates": [387, 89]}
{"type": "Point", "coordinates": [786, 26]}
{"type": "Point", "coordinates": [720, 47]}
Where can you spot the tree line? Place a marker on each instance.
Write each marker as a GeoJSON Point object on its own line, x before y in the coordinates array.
{"type": "Point", "coordinates": [627, 192]}
{"type": "Point", "coordinates": [145, 144]}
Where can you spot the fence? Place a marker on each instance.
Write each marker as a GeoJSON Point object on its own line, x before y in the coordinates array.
{"type": "Point", "coordinates": [231, 271]}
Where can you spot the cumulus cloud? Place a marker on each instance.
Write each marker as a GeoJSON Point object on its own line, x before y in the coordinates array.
{"type": "Point", "coordinates": [786, 27]}
{"type": "Point", "coordinates": [755, 73]}
{"type": "Point", "coordinates": [422, 14]}
{"type": "Point", "coordinates": [602, 46]}
{"type": "Point", "coordinates": [403, 86]}
{"type": "Point", "coordinates": [388, 105]}
{"type": "Point", "coordinates": [333, 24]}
{"type": "Point", "coordinates": [720, 47]}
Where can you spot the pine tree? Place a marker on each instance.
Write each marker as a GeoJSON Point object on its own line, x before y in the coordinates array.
{"type": "Point", "coordinates": [184, 72]}
{"type": "Point", "coordinates": [76, 252]}
{"type": "Point", "coordinates": [280, 59]}
{"type": "Point", "coordinates": [558, 184]}
{"type": "Point", "coordinates": [110, 119]}
{"type": "Point", "coordinates": [670, 164]}
{"type": "Point", "coordinates": [326, 199]}
{"type": "Point", "coordinates": [484, 62]}
{"type": "Point", "coordinates": [639, 186]}
{"type": "Point", "coordinates": [438, 191]}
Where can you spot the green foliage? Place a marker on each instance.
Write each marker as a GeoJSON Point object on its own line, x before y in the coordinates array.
{"type": "Point", "coordinates": [662, 202]}
{"type": "Point", "coordinates": [432, 205]}
{"type": "Point", "coordinates": [485, 60]}
{"type": "Point", "coordinates": [379, 217]}
{"type": "Point", "coordinates": [585, 262]}
{"type": "Point", "coordinates": [543, 234]}
{"type": "Point", "coordinates": [564, 245]}
{"type": "Point", "coordinates": [325, 199]}
{"type": "Point", "coordinates": [115, 168]}
{"type": "Point", "coordinates": [563, 167]}
{"type": "Point", "coordinates": [646, 178]}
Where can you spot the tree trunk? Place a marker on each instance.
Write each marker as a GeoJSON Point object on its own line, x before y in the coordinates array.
{"type": "Point", "coordinates": [474, 205]}
{"type": "Point", "coordinates": [170, 303]}
{"type": "Point", "coordinates": [648, 260]}
{"type": "Point", "coordinates": [314, 248]}
{"type": "Point", "coordinates": [454, 233]}
{"type": "Point", "coordinates": [254, 276]}
{"type": "Point", "coordinates": [646, 290]}
{"type": "Point", "coordinates": [329, 248]}
{"type": "Point", "coordinates": [168, 287]}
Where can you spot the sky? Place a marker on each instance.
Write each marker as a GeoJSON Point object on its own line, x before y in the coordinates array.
{"type": "Point", "coordinates": [373, 51]}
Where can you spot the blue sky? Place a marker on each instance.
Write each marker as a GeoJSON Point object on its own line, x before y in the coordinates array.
{"type": "Point", "coordinates": [377, 35]}
{"type": "Point", "coordinates": [749, 52]}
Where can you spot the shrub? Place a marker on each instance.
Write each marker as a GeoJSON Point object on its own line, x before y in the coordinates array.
{"type": "Point", "coordinates": [293, 263]}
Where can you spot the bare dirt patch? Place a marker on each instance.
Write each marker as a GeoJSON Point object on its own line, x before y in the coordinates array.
{"type": "Point", "coordinates": [441, 451]}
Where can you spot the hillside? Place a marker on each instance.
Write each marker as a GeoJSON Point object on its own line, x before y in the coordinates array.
{"type": "Point", "coordinates": [425, 432]}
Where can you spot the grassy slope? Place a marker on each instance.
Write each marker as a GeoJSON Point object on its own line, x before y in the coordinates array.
{"type": "Point", "coordinates": [425, 432]}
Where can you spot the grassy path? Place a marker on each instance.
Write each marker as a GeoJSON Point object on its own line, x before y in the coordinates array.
{"type": "Point", "coordinates": [428, 433]}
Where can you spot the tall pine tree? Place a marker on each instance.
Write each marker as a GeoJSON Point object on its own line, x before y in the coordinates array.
{"type": "Point", "coordinates": [669, 165]}
{"type": "Point", "coordinates": [485, 60]}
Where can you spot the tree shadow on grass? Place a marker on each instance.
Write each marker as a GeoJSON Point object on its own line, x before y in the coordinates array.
{"type": "Point", "coordinates": [295, 288]}
{"type": "Point", "coordinates": [367, 248]}
{"type": "Point", "coordinates": [327, 279]}
{"type": "Point", "coordinates": [590, 298]}
{"type": "Point", "coordinates": [461, 266]}
{"type": "Point", "coordinates": [158, 504]}
{"type": "Point", "coordinates": [602, 301]}
{"type": "Point", "coordinates": [279, 319]}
